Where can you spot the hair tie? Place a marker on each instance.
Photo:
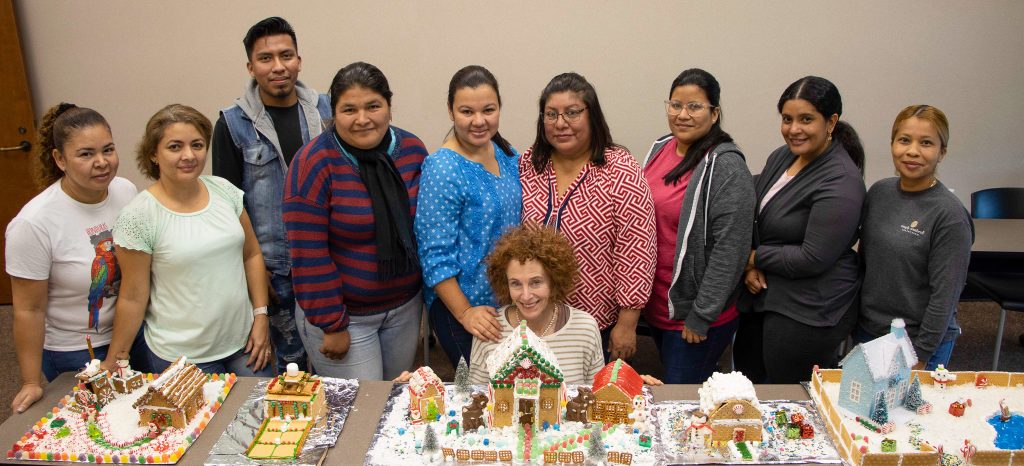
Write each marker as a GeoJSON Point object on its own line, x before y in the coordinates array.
{"type": "Point", "coordinates": [63, 107]}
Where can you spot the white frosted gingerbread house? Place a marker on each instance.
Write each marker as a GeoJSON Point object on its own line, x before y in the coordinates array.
{"type": "Point", "coordinates": [525, 381]}
{"type": "Point", "coordinates": [730, 402]}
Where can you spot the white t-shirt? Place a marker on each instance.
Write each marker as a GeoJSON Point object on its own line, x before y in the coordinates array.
{"type": "Point", "coordinates": [69, 243]}
{"type": "Point", "coordinates": [198, 300]}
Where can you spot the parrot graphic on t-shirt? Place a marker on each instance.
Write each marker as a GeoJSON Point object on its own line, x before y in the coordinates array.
{"type": "Point", "coordinates": [105, 276]}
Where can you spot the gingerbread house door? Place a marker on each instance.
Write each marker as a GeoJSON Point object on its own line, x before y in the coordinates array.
{"type": "Point", "coordinates": [527, 412]}
{"type": "Point", "coordinates": [739, 434]}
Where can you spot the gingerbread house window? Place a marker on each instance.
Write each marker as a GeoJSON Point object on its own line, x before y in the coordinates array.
{"type": "Point", "coordinates": [855, 392]}
{"type": "Point", "coordinates": [547, 403]}
{"type": "Point", "coordinates": [503, 406]}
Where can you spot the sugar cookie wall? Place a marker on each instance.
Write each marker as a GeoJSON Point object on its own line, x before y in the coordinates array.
{"type": "Point", "coordinates": [127, 59]}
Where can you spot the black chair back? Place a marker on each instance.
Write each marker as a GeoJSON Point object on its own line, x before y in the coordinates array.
{"type": "Point", "coordinates": [998, 203]}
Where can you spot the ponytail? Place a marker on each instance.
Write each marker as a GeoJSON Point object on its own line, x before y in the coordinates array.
{"type": "Point", "coordinates": [59, 123]}
{"type": "Point", "coordinates": [847, 137]}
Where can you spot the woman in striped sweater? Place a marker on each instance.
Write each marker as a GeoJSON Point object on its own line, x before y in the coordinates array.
{"type": "Point", "coordinates": [350, 197]}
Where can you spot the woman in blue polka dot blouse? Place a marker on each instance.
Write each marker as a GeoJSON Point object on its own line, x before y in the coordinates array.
{"type": "Point", "coordinates": [469, 195]}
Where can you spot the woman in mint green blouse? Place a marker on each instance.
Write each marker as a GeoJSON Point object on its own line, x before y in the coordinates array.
{"type": "Point", "coordinates": [188, 255]}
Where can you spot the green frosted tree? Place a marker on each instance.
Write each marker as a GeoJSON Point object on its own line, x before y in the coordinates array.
{"type": "Point", "coordinates": [432, 413]}
{"type": "Point", "coordinates": [462, 386]}
{"type": "Point", "coordinates": [914, 399]}
{"type": "Point", "coordinates": [881, 412]}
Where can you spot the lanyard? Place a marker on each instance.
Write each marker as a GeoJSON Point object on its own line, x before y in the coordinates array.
{"type": "Point", "coordinates": [563, 205]}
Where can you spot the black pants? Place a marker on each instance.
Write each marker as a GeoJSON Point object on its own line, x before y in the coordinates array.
{"type": "Point", "coordinates": [773, 348]}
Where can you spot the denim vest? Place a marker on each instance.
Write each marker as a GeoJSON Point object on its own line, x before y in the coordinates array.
{"type": "Point", "coordinates": [263, 176]}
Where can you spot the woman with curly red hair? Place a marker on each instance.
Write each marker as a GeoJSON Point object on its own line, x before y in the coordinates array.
{"type": "Point", "coordinates": [533, 271]}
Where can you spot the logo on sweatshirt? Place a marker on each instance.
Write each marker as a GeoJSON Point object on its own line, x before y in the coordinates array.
{"type": "Point", "coordinates": [912, 229]}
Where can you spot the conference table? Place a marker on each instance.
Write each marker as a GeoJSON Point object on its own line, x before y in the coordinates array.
{"type": "Point", "coordinates": [355, 437]}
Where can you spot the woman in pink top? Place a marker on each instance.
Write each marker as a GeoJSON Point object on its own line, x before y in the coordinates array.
{"type": "Point", "coordinates": [578, 181]}
{"type": "Point", "coordinates": [704, 210]}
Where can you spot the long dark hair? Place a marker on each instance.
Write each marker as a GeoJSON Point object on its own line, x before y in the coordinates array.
{"type": "Point", "coordinates": [825, 98]}
{"type": "Point", "coordinates": [474, 76]}
{"type": "Point", "coordinates": [360, 74]}
{"type": "Point", "coordinates": [715, 136]}
{"type": "Point", "coordinates": [600, 135]}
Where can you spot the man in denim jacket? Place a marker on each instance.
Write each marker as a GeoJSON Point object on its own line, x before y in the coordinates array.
{"type": "Point", "coordinates": [254, 140]}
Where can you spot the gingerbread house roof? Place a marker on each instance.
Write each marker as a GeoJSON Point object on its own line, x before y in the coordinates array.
{"type": "Point", "coordinates": [621, 375]}
{"type": "Point", "coordinates": [180, 382]}
{"type": "Point", "coordinates": [522, 348]}
{"type": "Point", "coordinates": [880, 353]}
{"type": "Point", "coordinates": [721, 388]}
{"type": "Point", "coordinates": [424, 378]}
{"type": "Point", "coordinates": [303, 387]}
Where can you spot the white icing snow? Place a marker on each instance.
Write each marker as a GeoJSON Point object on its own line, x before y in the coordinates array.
{"type": "Point", "coordinates": [724, 387]}
{"type": "Point", "coordinates": [880, 354]}
{"type": "Point", "coordinates": [939, 427]}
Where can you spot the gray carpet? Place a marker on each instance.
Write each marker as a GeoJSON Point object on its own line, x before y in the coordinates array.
{"type": "Point", "coordinates": [973, 350]}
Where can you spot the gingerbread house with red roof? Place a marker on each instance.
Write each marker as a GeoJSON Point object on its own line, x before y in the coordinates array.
{"type": "Point", "coordinates": [618, 390]}
{"type": "Point", "coordinates": [426, 396]}
{"type": "Point", "coordinates": [525, 382]}
{"type": "Point", "coordinates": [174, 398]}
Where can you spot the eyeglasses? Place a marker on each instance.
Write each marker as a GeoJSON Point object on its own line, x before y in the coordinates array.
{"type": "Point", "coordinates": [571, 116]}
{"type": "Point", "coordinates": [675, 107]}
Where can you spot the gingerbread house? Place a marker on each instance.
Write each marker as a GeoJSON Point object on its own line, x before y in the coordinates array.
{"type": "Point", "coordinates": [426, 396]}
{"type": "Point", "coordinates": [618, 390]}
{"type": "Point", "coordinates": [174, 398]}
{"type": "Point", "coordinates": [294, 394]}
{"type": "Point", "coordinates": [95, 387]}
{"type": "Point", "coordinates": [525, 382]}
{"type": "Point", "coordinates": [878, 371]}
{"type": "Point", "coordinates": [732, 408]}
{"type": "Point", "coordinates": [124, 379]}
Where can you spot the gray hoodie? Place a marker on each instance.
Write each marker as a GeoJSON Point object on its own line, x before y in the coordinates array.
{"type": "Point", "coordinates": [715, 227]}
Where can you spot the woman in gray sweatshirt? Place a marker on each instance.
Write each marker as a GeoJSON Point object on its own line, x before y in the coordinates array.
{"type": "Point", "coordinates": [916, 242]}
{"type": "Point", "coordinates": [802, 277]}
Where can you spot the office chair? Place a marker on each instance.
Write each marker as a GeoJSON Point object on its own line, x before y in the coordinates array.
{"type": "Point", "coordinates": [1003, 284]}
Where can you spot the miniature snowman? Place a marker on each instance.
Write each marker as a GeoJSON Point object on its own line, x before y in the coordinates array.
{"type": "Point", "coordinates": [123, 368]}
{"type": "Point", "coordinates": [639, 414]}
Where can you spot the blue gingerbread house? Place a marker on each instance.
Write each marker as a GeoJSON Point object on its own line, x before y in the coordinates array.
{"type": "Point", "coordinates": [878, 371]}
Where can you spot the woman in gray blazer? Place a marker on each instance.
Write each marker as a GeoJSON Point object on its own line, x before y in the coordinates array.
{"type": "Point", "coordinates": [801, 280]}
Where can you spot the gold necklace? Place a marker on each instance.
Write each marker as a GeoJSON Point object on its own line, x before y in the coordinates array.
{"type": "Point", "coordinates": [547, 329]}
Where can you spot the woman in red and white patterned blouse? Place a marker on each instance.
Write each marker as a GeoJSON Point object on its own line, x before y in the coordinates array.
{"type": "Point", "coordinates": [577, 180]}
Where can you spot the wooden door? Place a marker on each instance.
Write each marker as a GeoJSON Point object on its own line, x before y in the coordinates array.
{"type": "Point", "coordinates": [17, 134]}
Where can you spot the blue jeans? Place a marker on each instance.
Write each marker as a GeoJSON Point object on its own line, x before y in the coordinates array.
{"type": "Point", "coordinates": [284, 334]}
{"type": "Point", "coordinates": [940, 356]}
{"type": "Point", "coordinates": [382, 345]}
{"type": "Point", "coordinates": [684, 362]}
{"type": "Point", "coordinates": [56, 362]}
{"type": "Point", "coordinates": [234, 363]}
{"type": "Point", "coordinates": [453, 337]}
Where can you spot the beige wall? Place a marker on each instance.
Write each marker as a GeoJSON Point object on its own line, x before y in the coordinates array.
{"type": "Point", "coordinates": [129, 58]}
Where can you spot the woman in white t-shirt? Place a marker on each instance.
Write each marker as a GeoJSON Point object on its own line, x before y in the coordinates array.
{"type": "Point", "coordinates": [59, 251]}
{"type": "Point", "coordinates": [192, 265]}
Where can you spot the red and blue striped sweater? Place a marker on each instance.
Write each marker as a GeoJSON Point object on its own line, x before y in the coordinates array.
{"type": "Point", "coordinates": [329, 220]}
